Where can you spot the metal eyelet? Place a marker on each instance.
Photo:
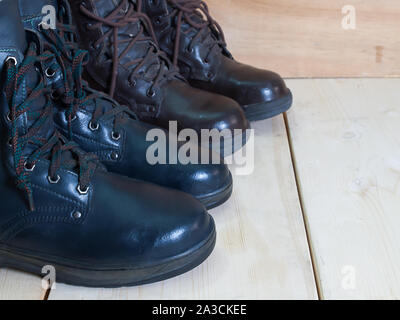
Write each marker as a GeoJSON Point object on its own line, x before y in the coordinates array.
{"type": "Point", "coordinates": [29, 166]}
{"type": "Point", "coordinates": [77, 215]}
{"type": "Point", "coordinates": [114, 155]}
{"type": "Point", "coordinates": [157, 20]}
{"type": "Point", "coordinates": [189, 50]}
{"type": "Point", "coordinates": [93, 126]}
{"type": "Point", "coordinates": [82, 192]}
{"type": "Point", "coordinates": [10, 142]}
{"type": "Point", "coordinates": [132, 83]}
{"type": "Point", "coordinates": [49, 73]}
{"type": "Point", "coordinates": [8, 117]}
{"type": "Point", "coordinates": [115, 135]}
{"type": "Point", "coordinates": [151, 93]}
{"type": "Point", "coordinates": [13, 59]}
{"type": "Point", "coordinates": [54, 181]}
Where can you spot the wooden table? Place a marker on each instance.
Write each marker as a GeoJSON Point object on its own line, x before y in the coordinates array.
{"type": "Point", "coordinates": [319, 217]}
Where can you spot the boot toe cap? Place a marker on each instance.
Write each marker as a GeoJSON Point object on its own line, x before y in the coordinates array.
{"type": "Point", "coordinates": [227, 114]}
{"type": "Point", "coordinates": [209, 178]}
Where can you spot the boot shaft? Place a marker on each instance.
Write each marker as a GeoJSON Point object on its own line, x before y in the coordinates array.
{"type": "Point", "coordinates": [13, 49]}
{"type": "Point", "coordinates": [72, 95]}
{"type": "Point", "coordinates": [26, 121]}
{"type": "Point", "coordinates": [123, 50]}
{"type": "Point", "coordinates": [186, 31]}
{"type": "Point", "coordinates": [34, 146]}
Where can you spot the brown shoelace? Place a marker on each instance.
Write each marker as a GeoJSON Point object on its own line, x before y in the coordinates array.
{"type": "Point", "coordinates": [123, 15]}
{"type": "Point", "coordinates": [59, 151]}
{"type": "Point", "coordinates": [189, 10]}
{"type": "Point", "coordinates": [75, 93]}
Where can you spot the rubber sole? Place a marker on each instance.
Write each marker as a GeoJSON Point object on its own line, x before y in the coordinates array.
{"type": "Point", "coordinates": [216, 198]}
{"type": "Point", "coordinates": [116, 277]}
{"type": "Point", "coordinates": [266, 110]}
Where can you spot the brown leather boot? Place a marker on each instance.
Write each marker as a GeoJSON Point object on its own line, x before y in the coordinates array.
{"type": "Point", "coordinates": [127, 63]}
{"type": "Point", "coordinates": [195, 42]}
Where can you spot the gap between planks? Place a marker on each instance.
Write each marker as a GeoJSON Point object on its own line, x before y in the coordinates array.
{"type": "Point", "coordinates": [305, 220]}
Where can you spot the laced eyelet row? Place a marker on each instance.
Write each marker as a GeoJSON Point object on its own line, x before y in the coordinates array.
{"type": "Point", "coordinates": [52, 148]}
{"type": "Point", "coordinates": [55, 180]}
{"type": "Point", "coordinates": [95, 126]}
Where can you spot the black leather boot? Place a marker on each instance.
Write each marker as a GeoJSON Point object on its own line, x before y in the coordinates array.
{"type": "Point", "coordinates": [101, 126]}
{"type": "Point", "coordinates": [60, 207]}
{"type": "Point", "coordinates": [195, 42]}
{"type": "Point", "coordinates": [126, 62]}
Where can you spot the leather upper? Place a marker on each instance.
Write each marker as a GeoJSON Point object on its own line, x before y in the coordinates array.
{"type": "Point", "coordinates": [119, 223]}
{"type": "Point", "coordinates": [205, 61]}
{"type": "Point", "coordinates": [245, 84]}
{"type": "Point", "coordinates": [127, 155]}
{"type": "Point", "coordinates": [170, 99]}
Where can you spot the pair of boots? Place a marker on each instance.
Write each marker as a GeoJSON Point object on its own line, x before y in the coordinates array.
{"type": "Point", "coordinates": [65, 208]}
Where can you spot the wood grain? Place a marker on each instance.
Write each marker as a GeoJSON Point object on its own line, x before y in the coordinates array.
{"type": "Point", "coordinates": [15, 285]}
{"type": "Point", "coordinates": [305, 38]}
{"type": "Point", "coordinates": [346, 141]}
{"type": "Point", "coordinates": [262, 250]}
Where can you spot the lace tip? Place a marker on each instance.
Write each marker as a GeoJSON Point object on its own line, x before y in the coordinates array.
{"type": "Point", "coordinates": [31, 203]}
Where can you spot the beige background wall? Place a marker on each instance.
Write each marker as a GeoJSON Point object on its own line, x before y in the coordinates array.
{"type": "Point", "coordinates": [305, 38]}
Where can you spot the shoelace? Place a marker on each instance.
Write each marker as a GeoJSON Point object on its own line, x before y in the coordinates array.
{"type": "Point", "coordinates": [123, 15]}
{"type": "Point", "coordinates": [75, 92]}
{"type": "Point", "coordinates": [53, 148]}
{"type": "Point", "coordinates": [188, 10]}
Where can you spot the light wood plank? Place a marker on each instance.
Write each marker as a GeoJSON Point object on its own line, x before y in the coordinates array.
{"type": "Point", "coordinates": [305, 38]}
{"type": "Point", "coordinates": [346, 140]}
{"type": "Point", "coordinates": [15, 285]}
{"type": "Point", "coordinates": [261, 253]}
